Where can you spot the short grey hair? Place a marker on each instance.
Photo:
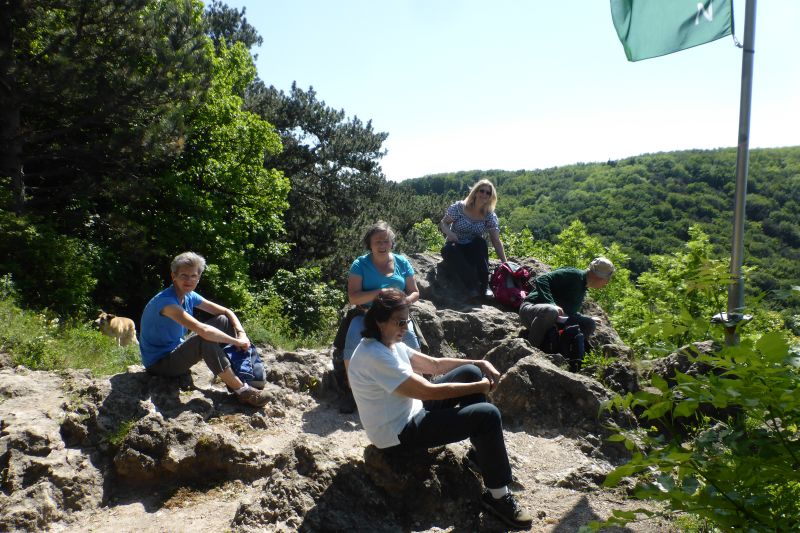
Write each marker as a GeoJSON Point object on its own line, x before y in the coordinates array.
{"type": "Point", "coordinates": [188, 259]}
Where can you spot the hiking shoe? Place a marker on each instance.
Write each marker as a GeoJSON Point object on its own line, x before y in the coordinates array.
{"type": "Point", "coordinates": [507, 509]}
{"type": "Point", "coordinates": [254, 397]}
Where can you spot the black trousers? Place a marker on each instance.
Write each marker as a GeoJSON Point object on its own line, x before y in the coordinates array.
{"type": "Point", "coordinates": [470, 262]}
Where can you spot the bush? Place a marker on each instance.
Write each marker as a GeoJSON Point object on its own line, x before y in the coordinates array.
{"type": "Point", "coordinates": [730, 451]}
{"type": "Point", "coordinates": [43, 343]}
{"type": "Point", "coordinates": [294, 308]}
{"type": "Point", "coordinates": [50, 270]}
{"type": "Point", "coordinates": [424, 236]}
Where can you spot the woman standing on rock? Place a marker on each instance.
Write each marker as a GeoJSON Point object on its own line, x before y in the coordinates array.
{"type": "Point", "coordinates": [400, 409]}
{"type": "Point", "coordinates": [465, 250]}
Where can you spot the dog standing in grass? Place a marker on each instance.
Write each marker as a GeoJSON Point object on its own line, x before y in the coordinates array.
{"type": "Point", "coordinates": [121, 328]}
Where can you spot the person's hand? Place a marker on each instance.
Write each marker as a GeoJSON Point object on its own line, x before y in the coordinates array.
{"type": "Point", "coordinates": [489, 372]}
{"type": "Point", "coordinates": [452, 237]}
{"type": "Point", "coordinates": [242, 342]}
{"type": "Point", "coordinates": [560, 311]}
{"type": "Point", "coordinates": [596, 319]}
{"type": "Point", "coordinates": [486, 385]}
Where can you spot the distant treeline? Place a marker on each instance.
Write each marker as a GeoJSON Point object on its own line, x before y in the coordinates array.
{"type": "Point", "coordinates": [134, 131]}
{"type": "Point", "coordinates": [647, 204]}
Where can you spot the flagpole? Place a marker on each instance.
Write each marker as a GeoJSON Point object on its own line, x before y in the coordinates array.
{"type": "Point", "coordinates": [736, 287]}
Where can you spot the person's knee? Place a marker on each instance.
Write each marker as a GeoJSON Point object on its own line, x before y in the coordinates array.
{"type": "Point", "coordinates": [220, 322]}
{"type": "Point", "coordinates": [471, 373]}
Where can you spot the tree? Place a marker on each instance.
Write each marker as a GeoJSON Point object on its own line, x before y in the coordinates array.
{"type": "Point", "coordinates": [332, 163]}
{"type": "Point", "coordinates": [224, 23]}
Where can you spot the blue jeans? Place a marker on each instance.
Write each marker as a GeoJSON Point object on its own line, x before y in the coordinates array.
{"type": "Point", "coordinates": [354, 337]}
{"type": "Point", "coordinates": [455, 419]}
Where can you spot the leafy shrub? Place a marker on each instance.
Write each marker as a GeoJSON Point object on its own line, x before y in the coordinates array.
{"type": "Point", "coordinates": [424, 236]}
{"type": "Point", "coordinates": [733, 462]}
{"type": "Point", "coordinates": [294, 307]}
{"type": "Point", "coordinates": [42, 343]}
{"type": "Point", "coordinates": [50, 270]}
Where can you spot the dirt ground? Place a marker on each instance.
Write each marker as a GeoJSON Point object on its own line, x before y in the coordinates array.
{"type": "Point", "coordinates": [540, 462]}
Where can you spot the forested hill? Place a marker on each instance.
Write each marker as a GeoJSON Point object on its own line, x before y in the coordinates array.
{"type": "Point", "coordinates": [647, 204]}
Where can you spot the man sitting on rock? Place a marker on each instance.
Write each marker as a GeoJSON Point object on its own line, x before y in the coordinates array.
{"type": "Point", "coordinates": [558, 297]}
{"type": "Point", "coordinates": [168, 316]}
{"type": "Point", "coordinates": [400, 409]}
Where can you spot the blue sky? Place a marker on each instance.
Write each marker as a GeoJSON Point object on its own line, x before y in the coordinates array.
{"type": "Point", "coordinates": [524, 84]}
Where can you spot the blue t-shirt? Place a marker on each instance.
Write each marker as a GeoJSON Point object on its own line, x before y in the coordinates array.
{"type": "Point", "coordinates": [372, 279]}
{"type": "Point", "coordinates": [159, 334]}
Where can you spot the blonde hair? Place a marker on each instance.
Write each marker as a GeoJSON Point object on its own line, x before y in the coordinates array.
{"type": "Point", "coordinates": [188, 259]}
{"type": "Point", "coordinates": [473, 194]}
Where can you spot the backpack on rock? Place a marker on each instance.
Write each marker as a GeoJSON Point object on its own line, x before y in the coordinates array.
{"type": "Point", "coordinates": [510, 284]}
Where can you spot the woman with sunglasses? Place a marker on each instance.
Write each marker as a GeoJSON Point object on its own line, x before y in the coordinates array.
{"type": "Point", "coordinates": [465, 250]}
{"type": "Point", "coordinates": [379, 269]}
{"type": "Point", "coordinates": [401, 410]}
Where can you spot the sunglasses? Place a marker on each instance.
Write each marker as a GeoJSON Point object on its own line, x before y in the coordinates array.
{"type": "Point", "coordinates": [402, 322]}
{"type": "Point", "coordinates": [485, 191]}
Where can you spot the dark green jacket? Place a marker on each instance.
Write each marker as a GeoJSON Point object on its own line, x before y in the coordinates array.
{"type": "Point", "coordinates": [564, 287]}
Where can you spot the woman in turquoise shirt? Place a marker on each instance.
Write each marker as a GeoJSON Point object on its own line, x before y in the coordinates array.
{"type": "Point", "coordinates": [379, 269]}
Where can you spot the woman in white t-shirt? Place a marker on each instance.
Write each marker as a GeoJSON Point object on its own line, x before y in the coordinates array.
{"type": "Point", "coordinates": [465, 250]}
{"type": "Point", "coordinates": [400, 409]}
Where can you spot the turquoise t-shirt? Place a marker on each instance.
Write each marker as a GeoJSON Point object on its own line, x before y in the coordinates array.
{"type": "Point", "coordinates": [371, 279]}
{"type": "Point", "coordinates": [159, 334]}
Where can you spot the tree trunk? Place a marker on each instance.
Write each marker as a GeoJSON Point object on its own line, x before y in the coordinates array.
{"type": "Point", "coordinates": [10, 138]}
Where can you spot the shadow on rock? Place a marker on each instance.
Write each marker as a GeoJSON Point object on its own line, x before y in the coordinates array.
{"type": "Point", "coordinates": [314, 489]}
{"type": "Point", "coordinates": [580, 515]}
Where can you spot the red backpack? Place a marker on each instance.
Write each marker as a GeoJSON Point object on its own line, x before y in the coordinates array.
{"type": "Point", "coordinates": [510, 284]}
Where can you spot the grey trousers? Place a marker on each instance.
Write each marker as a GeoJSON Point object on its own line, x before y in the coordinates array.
{"type": "Point", "coordinates": [190, 351]}
{"type": "Point", "coordinates": [541, 317]}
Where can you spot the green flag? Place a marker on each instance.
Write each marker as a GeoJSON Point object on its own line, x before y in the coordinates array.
{"type": "Point", "coordinates": [652, 28]}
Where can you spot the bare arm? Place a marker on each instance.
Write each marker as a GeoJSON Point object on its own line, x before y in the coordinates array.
{"type": "Point", "coordinates": [421, 389]}
{"type": "Point", "coordinates": [412, 291]}
{"type": "Point", "coordinates": [498, 245]}
{"type": "Point", "coordinates": [434, 366]}
{"type": "Point", "coordinates": [444, 225]}
{"type": "Point", "coordinates": [355, 292]}
{"type": "Point", "coordinates": [209, 333]}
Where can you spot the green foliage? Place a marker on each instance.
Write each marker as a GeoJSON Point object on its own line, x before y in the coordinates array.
{"type": "Point", "coordinates": [331, 161]}
{"type": "Point", "coordinates": [51, 271]}
{"type": "Point", "coordinates": [294, 308]}
{"type": "Point", "coordinates": [732, 461]}
{"type": "Point", "coordinates": [520, 244]}
{"type": "Point", "coordinates": [43, 343]}
{"type": "Point", "coordinates": [117, 437]}
{"type": "Point", "coordinates": [647, 203]}
{"type": "Point", "coordinates": [424, 236]}
{"type": "Point", "coordinates": [575, 247]}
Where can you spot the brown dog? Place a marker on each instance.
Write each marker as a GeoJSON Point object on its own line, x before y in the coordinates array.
{"type": "Point", "coordinates": [119, 327]}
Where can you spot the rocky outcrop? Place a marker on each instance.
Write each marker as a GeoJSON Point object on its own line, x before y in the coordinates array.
{"type": "Point", "coordinates": [72, 443]}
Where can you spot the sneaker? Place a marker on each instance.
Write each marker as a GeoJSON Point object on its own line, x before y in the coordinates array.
{"type": "Point", "coordinates": [254, 397]}
{"type": "Point", "coordinates": [507, 509]}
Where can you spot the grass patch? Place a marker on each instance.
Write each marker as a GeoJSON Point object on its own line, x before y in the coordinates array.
{"type": "Point", "coordinates": [40, 342]}
{"type": "Point", "coordinates": [117, 437]}
{"type": "Point", "coordinates": [269, 325]}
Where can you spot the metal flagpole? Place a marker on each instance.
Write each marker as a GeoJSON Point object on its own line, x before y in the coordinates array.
{"type": "Point", "coordinates": [735, 315]}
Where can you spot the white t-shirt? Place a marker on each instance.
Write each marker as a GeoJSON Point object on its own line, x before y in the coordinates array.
{"type": "Point", "coordinates": [375, 372]}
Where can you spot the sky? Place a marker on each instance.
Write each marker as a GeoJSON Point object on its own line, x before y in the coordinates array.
{"type": "Point", "coordinates": [524, 84]}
